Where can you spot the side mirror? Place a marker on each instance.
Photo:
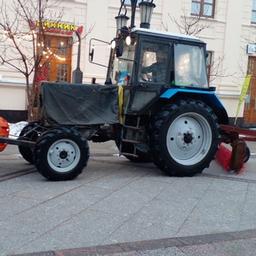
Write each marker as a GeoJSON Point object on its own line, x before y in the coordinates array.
{"type": "Point", "coordinates": [93, 42]}
{"type": "Point", "coordinates": [91, 55]}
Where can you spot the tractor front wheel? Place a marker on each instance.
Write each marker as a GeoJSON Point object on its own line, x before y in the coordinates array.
{"type": "Point", "coordinates": [184, 138]}
{"type": "Point", "coordinates": [61, 154]}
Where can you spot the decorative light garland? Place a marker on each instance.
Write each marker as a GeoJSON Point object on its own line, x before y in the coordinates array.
{"type": "Point", "coordinates": [59, 58]}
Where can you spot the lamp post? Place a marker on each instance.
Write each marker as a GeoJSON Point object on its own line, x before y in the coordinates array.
{"type": "Point", "coordinates": [121, 22]}
{"type": "Point", "coordinates": [133, 9]}
{"type": "Point", "coordinates": [77, 75]}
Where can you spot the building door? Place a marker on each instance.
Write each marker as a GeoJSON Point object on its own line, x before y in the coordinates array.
{"type": "Point", "coordinates": [250, 100]}
{"type": "Point", "coordinates": [59, 55]}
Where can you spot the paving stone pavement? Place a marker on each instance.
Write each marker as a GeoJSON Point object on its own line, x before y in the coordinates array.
{"type": "Point", "coordinates": [115, 201]}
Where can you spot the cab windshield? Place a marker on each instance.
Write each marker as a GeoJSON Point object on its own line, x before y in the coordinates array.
{"type": "Point", "coordinates": [190, 66]}
{"type": "Point", "coordinates": [123, 65]}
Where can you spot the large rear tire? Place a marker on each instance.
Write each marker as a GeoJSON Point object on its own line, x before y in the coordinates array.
{"type": "Point", "coordinates": [61, 154]}
{"type": "Point", "coordinates": [184, 138]}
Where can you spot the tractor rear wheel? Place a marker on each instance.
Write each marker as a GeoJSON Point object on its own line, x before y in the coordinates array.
{"type": "Point", "coordinates": [28, 133]}
{"type": "Point", "coordinates": [61, 154]}
{"type": "Point", "coordinates": [184, 137]}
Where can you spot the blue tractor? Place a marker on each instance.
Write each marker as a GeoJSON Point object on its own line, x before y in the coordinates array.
{"type": "Point", "coordinates": [156, 105]}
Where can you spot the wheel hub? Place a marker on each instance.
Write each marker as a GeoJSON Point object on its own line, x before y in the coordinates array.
{"type": "Point", "coordinates": [188, 138]}
{"type": "Point", "coordinates": [63, 154]}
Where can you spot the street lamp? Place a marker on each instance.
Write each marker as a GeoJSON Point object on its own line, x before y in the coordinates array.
{"type": "Point", "coordinates": [121, 21]}
{"type": "Point", "coordinates": [146, 9]}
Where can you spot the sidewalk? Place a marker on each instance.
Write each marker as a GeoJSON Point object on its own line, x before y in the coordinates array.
{"type": "Point", "coordinates": [115, 202]}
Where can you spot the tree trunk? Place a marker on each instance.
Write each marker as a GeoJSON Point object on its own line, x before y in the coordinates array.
{"type": "Point", "coordinates": [32, 100]}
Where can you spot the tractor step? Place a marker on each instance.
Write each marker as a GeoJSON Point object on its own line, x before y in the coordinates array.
{"type": "Point", "coordinates": [130, 137]}
{"type": "Point", "coordinates": [132, 141]}
{"type": "Point", "coordinates": [129, 154]}
{"type": "Point", "coordinates": [133, 127]}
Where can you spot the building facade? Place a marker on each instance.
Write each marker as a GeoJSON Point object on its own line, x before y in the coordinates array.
{"type": "Point", "coordinates": [228, 27]}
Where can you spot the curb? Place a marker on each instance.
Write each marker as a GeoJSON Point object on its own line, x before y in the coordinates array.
{"type": "Point", "coordinates": [130, 247]}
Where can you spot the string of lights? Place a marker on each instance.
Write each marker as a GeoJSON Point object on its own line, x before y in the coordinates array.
{"type": "Point", "coordinates": [49, 53]}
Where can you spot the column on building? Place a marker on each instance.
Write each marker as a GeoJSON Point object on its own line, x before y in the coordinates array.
{"type": "Point", "coordinates": [97, 19]}
{"type": "Point", "coordinates": [231, 84]}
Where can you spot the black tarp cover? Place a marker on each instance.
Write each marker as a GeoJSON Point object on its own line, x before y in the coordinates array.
{"type": "Point", "coordinates": [79, 104]}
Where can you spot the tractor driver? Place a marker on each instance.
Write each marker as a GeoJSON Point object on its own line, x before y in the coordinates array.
{"type": "Point", "coordinates": [156, 72]}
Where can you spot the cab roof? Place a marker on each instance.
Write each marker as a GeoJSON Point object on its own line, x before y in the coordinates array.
{"type": "Point", "coordinates": [167, 35]}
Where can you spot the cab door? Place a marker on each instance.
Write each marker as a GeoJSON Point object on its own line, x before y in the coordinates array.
{"type": "Point", "coordinates": [152, 74]}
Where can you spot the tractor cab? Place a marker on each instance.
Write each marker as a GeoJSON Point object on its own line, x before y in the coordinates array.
{"type": "Point", "coordinates": [145, 57]}
{"type": "Point", "coordinates": [147, 63]}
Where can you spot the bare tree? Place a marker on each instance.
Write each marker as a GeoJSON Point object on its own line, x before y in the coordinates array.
{"type": "Point", "coordinates": [22, 41]}
{"type": "Point", "coordinates": [188, 25]}
{"type": "Point", "coordinates": [194, 26]}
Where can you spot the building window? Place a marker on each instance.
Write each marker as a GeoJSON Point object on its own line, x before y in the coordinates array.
{"type": "Point", "coordinates": [253, 20]}
{"type": "Point", "coordinates": [209, 62]}
{"type": "Point", "coordinates": [204, 8]}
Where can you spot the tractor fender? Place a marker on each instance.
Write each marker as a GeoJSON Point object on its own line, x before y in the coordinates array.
{"type": "Point", "coordinates": [208, 97]}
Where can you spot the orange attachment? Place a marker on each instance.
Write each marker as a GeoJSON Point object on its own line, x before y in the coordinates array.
{"type": "Point", "coordinates": [4, 132]}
